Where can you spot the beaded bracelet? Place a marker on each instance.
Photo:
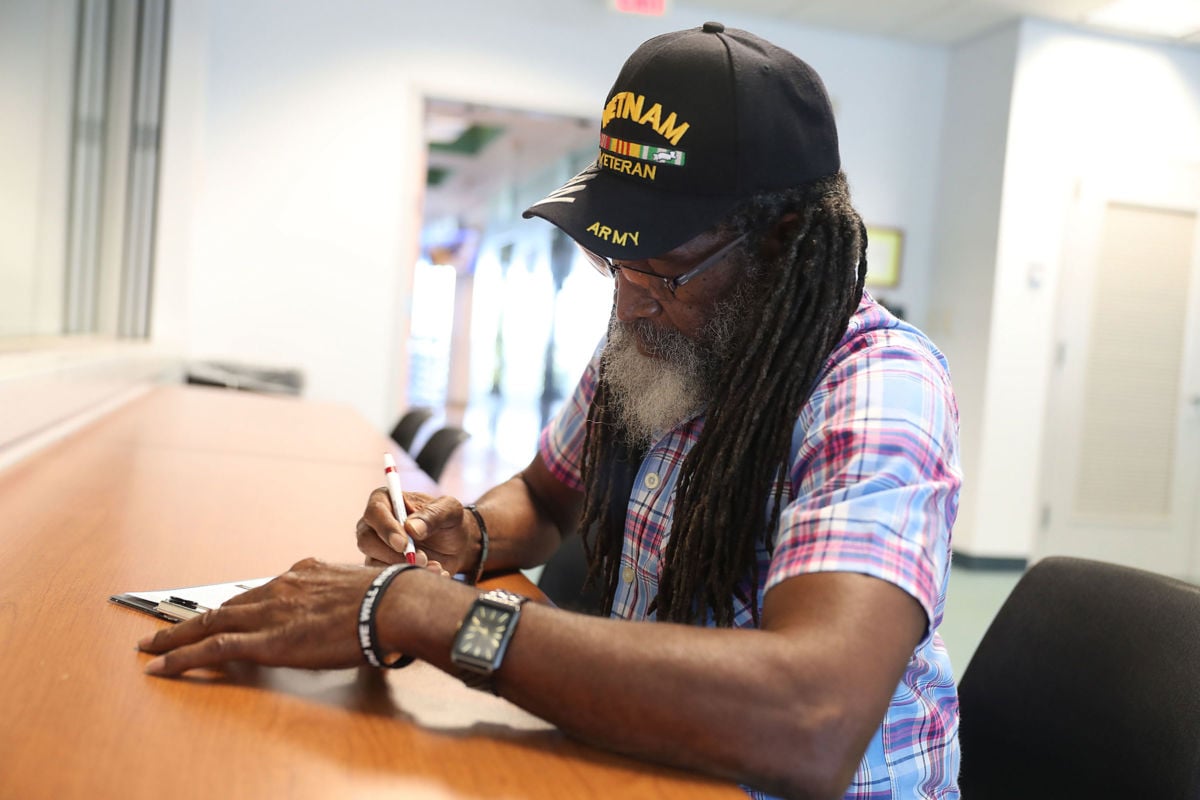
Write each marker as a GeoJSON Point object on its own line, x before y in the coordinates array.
{"type": "Point", "coordinates": [367, 633]}
{"type": "Point", "coordinates": [483, 540]}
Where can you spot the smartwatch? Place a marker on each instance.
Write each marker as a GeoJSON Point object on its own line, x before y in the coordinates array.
{"type": "Point", "coordinates": [483, 637]}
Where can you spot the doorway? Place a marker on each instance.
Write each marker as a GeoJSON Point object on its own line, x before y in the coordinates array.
{"type": "Point", "coordinates": [1122, 449]}
{"type": "Point", "coordinates": [504, 316]}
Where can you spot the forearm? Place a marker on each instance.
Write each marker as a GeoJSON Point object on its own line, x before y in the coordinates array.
{"type": "Point", "coordinates": [789, 708]}
{"type": "Point", "coordinates": [526, 517]}
{"type": "Point", "coordinates": [753, 706]}
{"type": "Point", "coordinates": [520, 536]}
{"type": "Point", "coordinates": [722, 702]}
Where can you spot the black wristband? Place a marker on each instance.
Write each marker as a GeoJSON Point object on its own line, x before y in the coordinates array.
{"type": "Point", "coordinates": [483, 540]}
{"type": "Point", "coordinates": [368, 639]}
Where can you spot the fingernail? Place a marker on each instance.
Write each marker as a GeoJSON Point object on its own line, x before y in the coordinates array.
{"type": "Point", "coordinates": [396, 542]}
{"type": "Point", "coordinates": [155, 667]}
{"type": "Point", "coordinates": [418, 527]}
{"type": "Point", "coordinates": [145, 642]}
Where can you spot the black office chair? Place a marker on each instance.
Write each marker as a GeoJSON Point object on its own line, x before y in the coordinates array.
{"type": "Point", "coordinates": [437, 451]}
{"type": "Point", "coordinates": [563, 578]}
{"type": "Point", "coordinates": [408, 426]}
{"type": "Point", "coordinates": [1086, 685]}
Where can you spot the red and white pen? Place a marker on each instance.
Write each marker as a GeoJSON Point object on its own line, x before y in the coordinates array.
{"type": "Point", "coordinates": [397, 495]}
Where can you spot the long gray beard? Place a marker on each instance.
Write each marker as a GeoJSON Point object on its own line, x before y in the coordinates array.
{"type": "Point", "coordinates": [654, 394]}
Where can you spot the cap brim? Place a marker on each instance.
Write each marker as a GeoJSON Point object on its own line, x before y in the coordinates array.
{"type": "Point", "coordinates": [623, 219]}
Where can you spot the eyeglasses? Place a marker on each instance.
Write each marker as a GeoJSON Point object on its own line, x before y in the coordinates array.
{"type": "Point", "coordinates": [606, 266]}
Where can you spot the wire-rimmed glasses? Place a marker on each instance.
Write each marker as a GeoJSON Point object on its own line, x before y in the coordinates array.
{"type": "Point", "coordinates": [606, 266]}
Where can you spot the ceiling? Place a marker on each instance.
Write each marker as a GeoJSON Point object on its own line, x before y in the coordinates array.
{"type": "Point", "coordinates": [475, 152]}
{"type": "Point", "coordinates": [473, 166]}
{"type": "Point", "coordinates": [934, 21]}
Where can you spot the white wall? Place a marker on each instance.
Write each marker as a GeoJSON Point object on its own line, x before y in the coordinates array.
{"type": "Point", "coordinates": [971, 172]}
{"type": "Point", "coordinates": [1083, 105]}
{"type": "Point", "coordinates": [302, 158]}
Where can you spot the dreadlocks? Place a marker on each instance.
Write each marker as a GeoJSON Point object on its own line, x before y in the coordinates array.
{"type": "Point", "coordinates": [739, 463]}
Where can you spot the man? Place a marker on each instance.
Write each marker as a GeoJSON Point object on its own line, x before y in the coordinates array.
{"type": "Point", "coordinates": [762, 461]}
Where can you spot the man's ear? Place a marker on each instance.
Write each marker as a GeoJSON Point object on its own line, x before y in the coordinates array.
{"type": "Point", "coordinates": [779, 234]}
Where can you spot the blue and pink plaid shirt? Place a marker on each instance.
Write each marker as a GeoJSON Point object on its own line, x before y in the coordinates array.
{"type": "Point", "coordinates": [873, 490]}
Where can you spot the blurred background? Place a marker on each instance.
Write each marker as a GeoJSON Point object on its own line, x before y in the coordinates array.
{"type": "Point", "coordinates": [326, 198]}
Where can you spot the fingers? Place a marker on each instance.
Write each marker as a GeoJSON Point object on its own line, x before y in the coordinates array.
{"type": "Point", "coordinates": [375, 548]}
{"type": "Point", "coordinates": [228, 617]}
{"type": "Point", "coordinates": [382, 539]}
{"type": "Point", "coordinates": [414, 527]}
{"type": "Point", "coordinates": [303, 618]}
{"type": "Point", "coordinates": [443, 512]}
{"type": "Point", "coordinates": [422, 561]}
{"type": "Point", "coordinates": [379, 515]}
{"type": "Point", "coordinates": [210, 652]}
{"type": "Point", "coordinates": [379, 521]}
{"type": "Point", "coordinates": [433, 566]}
{"type": "Point", "coordinates": [204, 641]}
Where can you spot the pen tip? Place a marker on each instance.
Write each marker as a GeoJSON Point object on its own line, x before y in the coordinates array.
{"type": "Point", "coordinates": [410, 558]}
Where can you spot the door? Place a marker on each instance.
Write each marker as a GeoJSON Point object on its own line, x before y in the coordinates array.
{"type": "Point", "coordinates": [1122, 447]}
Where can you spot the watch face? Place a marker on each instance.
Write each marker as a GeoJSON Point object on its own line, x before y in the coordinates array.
{"type": "Point", "coordinates": [484, 632]}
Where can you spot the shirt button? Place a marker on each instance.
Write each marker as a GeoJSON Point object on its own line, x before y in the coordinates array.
{"type": "Point", "coordinates": [627, 574]}
{"type": "Point", "coordinates": [651, 480]}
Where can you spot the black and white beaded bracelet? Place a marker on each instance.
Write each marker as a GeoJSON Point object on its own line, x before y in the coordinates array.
{"type": "Point", "coordinates": [368, 639]}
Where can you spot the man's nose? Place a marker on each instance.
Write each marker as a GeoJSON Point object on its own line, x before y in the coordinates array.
{"type": "Point", "coordinates": [634, 298]}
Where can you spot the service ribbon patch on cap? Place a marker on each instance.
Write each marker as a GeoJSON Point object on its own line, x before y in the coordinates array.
{"type": "Point", "coordinates": [644, 152]}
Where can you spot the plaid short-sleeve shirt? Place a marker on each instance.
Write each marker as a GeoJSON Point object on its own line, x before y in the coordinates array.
{"type": "Point", "coordinates": [873, 489]}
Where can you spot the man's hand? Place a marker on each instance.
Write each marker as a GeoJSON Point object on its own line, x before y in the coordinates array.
{"type": "Point", "coordinates": [436, 525]}
{"type": "Point", "coordinates": [306, 617]}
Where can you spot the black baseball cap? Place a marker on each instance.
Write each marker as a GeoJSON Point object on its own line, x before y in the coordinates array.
{"type": "Point", "coordinates": [696, 121]}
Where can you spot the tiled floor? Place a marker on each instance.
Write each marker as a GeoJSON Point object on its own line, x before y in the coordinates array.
{"type": "Point", "coordinates": [972, 601]}
{"type": "Point", "coordinates": [503, 441]}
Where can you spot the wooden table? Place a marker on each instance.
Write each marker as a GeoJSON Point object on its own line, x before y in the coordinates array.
{"type": "Point", "coordinates": [188, 486]}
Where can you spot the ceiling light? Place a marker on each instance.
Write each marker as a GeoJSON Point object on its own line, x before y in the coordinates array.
{"type": "Point", "coordinates": [1172, 18]}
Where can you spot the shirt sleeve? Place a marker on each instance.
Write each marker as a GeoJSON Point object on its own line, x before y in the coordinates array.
{"type": "Point", "coordinates": [561, 442]}
{"type": "Point", "coordinates": [875, 474]}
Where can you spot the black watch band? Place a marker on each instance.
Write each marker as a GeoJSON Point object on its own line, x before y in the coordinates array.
{"type": "Point", "coordinates": [483, 637]}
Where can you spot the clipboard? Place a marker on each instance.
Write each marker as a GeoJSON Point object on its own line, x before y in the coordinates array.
{"type": "Point", "coordinates": [176, 605]}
